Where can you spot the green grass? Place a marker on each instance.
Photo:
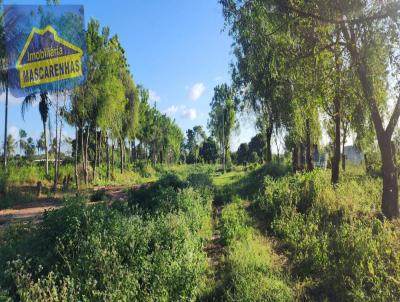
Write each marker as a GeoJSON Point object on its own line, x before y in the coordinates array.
{"type": "Point", "coordinates": [229, 178]}
{"type": "Point", "coordinates": [253, 271]}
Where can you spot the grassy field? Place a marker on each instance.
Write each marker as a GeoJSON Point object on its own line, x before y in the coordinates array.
{"type": "Point", "coordinates": [255, 233]}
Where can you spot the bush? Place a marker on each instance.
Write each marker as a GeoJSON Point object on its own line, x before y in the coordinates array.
{"type": "Point", "coordinates": [94, 253]}
{"type": "Point", "coordinates": [200, 180]}
{"type": "Point", "coordinates": [3, 183]}
{"type": "Point", "coordinates": [145, 170]}
{"type": "Point", "coordinates": [148, 197]}
{"type": "Point", "coordinates": [234, 220]}
{"type": "Point", "coordinates": [99, 195]}
{"type": "Point", "coordinates": [335, 243]}
{"type": "Point", "coordinates": [254, 158]}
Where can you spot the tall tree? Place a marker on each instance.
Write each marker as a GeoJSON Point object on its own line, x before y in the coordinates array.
{"type": "Point", "coordinates": [194, 138]}
{"type": "Point", "coordinates": [367, 35]}
{"type": "Point", "coordinates": [209, 151]}
{"type": "Point", "coordinates": [22, 142]}
{"type": "Point", "coordinates": [4, 85]}
{"type": "Point", "coordinates": [257, 70]}
{"type": "Point", "coordinates": [10, 145]}
{"type": "Point", "coordinates": [222, 119]}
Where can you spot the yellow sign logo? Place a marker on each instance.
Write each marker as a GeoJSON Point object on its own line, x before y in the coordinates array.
{"type": "Point", "coordinates": [47, 58]}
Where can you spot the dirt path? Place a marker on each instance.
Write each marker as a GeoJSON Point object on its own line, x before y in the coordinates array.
{"type": "Point", "coordinates": [33, 211]}
{"type": "Point", "coordinates": [215, 251]}
{"type": "Point", "coordinates": [215, 247]}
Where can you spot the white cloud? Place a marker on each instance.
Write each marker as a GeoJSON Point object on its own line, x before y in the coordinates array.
{"type": "Point", "coordinates": [196, 91]}
{"type": "Point", "coordinates": [154, 97]}
{"type": "Point", "coordinates": [183, 111]}
{"type": "Point", "coordinates": [12, 100]}
{"type": "Point", "coordinates": [172, 110]}
{"type": "Point", "coordinates": [14, 132]}
{"type": "Point", "coordinates": [189, 113]}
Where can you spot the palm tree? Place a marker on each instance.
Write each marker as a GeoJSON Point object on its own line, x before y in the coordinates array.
{"type": "Point", "coordinates": [5, 128]}
{"type": "Point", "coordinates": [22, 142]}
{"type": "Point", "coordinates": [4, 84]}
{"type": "Point", "coordinates": [10, 145]}
{"type": "Point", "coordinates": [44, 105]}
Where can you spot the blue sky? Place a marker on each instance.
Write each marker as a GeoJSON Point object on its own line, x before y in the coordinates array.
{"type": "Point", "coordinates": [177, 49]}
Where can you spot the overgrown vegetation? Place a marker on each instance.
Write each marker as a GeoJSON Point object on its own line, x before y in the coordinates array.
{"type": "Point", "coordinates": [253, 270]}
{"type": "Point", "coordinates": [336, 241]}
{"type": "Point", "coordinates": [126, 252]}
{"type": "Point", "coordinates": [190, 219]}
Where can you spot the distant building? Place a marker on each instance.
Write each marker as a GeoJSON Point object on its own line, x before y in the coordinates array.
{"type": "Point", "coordinates": [353, 155]}
{"type": "Point", "coordinates": [320, 160]}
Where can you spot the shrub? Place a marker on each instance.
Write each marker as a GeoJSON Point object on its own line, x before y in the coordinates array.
{"type": "Point", "coordinates": [200, 180]}
{"type": "Point", "coordinates": [99, 195]}
{"type": "Point", "coordinates": [3, 182]}
{"type": "Point", "coordinates": [148, 198]}
{"type": "Point", "coordinates": [234, 220]}
{"type": "Point", "coordinates": [94, 253]}
{"type": "Point", "coordinates": [334, 242]}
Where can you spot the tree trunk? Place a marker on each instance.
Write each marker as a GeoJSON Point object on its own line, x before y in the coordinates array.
{"type": "Point", "coordinates": [59, 146]}
{"type": "Point", "coordinates": [99, 148]}
{"type": "Point", "coordinates": [310, 166]}
{"type": "Point", "coordinates": [112, 157]}
{"type": "Point", "coordinates": [302, 157]}
{"type": "Point", "coordinates": [76, 158]}
{"type": "Point", "coordinates": [56, 148]}
{"type": "Point", "coordinates": [46, 148]}
{"type": "Point", "coordinates": [95, 153]}
{"type": "Point", "coordinates": [121, 152]}
{"type": "Point", "coordinates": [82, 149]}
{"type": "Point", "coordinates": [390, 206]}
{"type": "Point", "coordinates": [337, 121]}
{"type": "Point", "coordinates": [86, 156]}
{"type": "Point", "coordinates": [108, 157]}
{"type": "Point", "coordinates": [366, 163]}
{"type": "Point", "coordinates": [345, 125]}
{"type": "Point", "coordinates": [343, 156]}
{"type": "Point", "coordinates": [336, 148]}
{"type": "Point", "coordinates": [5, 130]}
{"type": "Point", "coordinates": [268, 143]}
{"type": "Point", "coordinates": [390, 194]}
{"type": "Point", "coordinates": [295, 156]}
{"type": "Point", "coordinates": [134, 155]}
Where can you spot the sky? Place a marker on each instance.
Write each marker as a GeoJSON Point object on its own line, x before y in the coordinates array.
{"type": "Point", "coordinates": [178, 49]}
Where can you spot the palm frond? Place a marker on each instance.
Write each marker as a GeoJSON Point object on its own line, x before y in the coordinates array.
{"type": "Point", "coordinates": [44, 106]}
{"type": "Point", "coordinates": [26, 103]}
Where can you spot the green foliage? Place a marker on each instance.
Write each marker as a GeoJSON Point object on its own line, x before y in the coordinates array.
{"type": "Point", "coordinates": [195, 138]}
{"type": "Point", "coordinates": [200, 180]}
{"type": "Point", "coordinates": [209, 151]}
{"type": "Point", "coordinates": [222, 118]}
{"type": "Point", "coordinates": [336, 245]}
{"type": "Point", "coordinates": [235, 221]}
{"type": "Point", "coordinates": [3, 182]}
{"type": "Point", "coordinates": [99, 195]}
{"type": "Point", "coordinates": [94, 253]}
{"type": "Point", "coordinates": [242, 154]}
{"type": "Point", "coordinates": [254, 158]}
